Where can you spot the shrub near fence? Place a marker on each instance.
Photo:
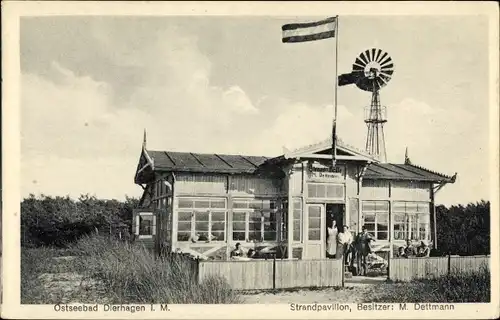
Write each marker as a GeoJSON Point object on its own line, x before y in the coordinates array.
{"type": "Point", "coordinates": [406, 269]}
{"type": "Point", "coordinates": [275, 274]}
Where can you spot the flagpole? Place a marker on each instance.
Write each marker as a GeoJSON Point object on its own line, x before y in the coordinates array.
{"type": "Point", "coordinates": [334, 129]}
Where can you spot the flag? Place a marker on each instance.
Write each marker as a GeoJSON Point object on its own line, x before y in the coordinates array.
{"type": "Point", "coordinates": [302, 32]}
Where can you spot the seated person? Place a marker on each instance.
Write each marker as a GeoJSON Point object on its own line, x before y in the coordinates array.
{"type": "Point", "coordinates": [423, 250]}
{"type": "Point", "coordinates": [237, 253]}
{"type": "Point", "coordinates": [401, 252]}
{"type": "Point", "coordinates": [410, 250]}
{"type": "Point", "coordinates": [251, 253]}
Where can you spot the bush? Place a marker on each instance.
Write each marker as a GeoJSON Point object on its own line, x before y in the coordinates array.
{"type": "Point", "coordinates": [57, 221]}
{"type": "Point", "coordinates": [131, 274]}
{"type": "Point", "coordinates": [462, 287]}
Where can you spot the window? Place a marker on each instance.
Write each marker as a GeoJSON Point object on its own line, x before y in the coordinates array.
{"type": "Point", "coordinates": [145, 225]}
{"type": "Point", "coordinates": [255, 220]}
{"type": "Point", "coordinates": [162, 191]}
{"type": "Point", "coordinates": [284, 219]}
{"type": "Point", "coordinates": [297, 220]}
{"type": "Point", "coordinates": [376, 218]}
{"type": "Point", "coordinates": [201, 219]}
{"type": "Point", "coordinates": [411, 220]}
{"type": "Point", "coordinates": [314, 220]}
{"type": "Point", "coordinates": [325, 191]}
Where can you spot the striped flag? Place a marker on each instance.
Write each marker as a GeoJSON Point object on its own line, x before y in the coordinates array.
{"type": "Point", "coordinates": [302, 32]}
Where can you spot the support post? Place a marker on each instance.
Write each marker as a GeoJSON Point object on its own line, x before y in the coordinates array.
{"type": "Point", "coordinates": [434, 219]}
{"type": "Point", "coordinates": [290, 215]}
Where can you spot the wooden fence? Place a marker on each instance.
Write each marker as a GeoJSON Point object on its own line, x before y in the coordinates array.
{"type": "Point", "coordinates": [406, 269]}
{"type": "Point", "coordinates": [274, 274]}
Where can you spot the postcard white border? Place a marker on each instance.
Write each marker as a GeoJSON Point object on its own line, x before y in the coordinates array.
{"type": "Point", "coordinates": [13, 10]}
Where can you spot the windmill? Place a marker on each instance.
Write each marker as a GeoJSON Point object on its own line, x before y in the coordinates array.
{"type": "Point", "coordinates": [371, 71]}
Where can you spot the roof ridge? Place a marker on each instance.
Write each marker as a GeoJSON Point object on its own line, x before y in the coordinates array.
{"type": "Point", "coordinates": [429, 170]}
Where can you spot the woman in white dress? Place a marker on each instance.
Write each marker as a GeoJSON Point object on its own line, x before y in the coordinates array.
{"type": "Point", "coordinates": [331, 242]}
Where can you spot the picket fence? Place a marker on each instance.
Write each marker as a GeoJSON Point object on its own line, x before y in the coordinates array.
{"type": "Point", "coordinates": [274, 274]}
{"type": "Point", "coordinates": [406, 269]}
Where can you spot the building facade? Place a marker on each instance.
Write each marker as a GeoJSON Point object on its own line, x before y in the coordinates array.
{"type": "Point", "coordinates": [204, 204]}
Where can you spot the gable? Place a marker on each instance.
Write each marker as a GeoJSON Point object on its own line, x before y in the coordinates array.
{"type": "Point", "coordinates": [323, 150]}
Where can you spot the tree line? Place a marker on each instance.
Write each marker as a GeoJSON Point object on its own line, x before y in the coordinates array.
{"type": "Point", "coordinates": [464, 230]}
{"type": "Point", "coordinates": [56, 221]}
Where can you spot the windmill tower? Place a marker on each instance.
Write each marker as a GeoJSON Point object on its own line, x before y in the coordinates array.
{"type": "Point", "coordinates": [371, 71]}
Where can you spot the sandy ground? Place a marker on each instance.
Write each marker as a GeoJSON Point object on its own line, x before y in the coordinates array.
{"type": "Point", "coordinates": [354, 291]}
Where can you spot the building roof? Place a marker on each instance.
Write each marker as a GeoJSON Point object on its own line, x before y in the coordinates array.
{"type": "Point", "coordinates": [392, 171]}
{"type": "Point", "coordinates": [223, 163]}
{"type": "Point", "coordinates": [205, 163]}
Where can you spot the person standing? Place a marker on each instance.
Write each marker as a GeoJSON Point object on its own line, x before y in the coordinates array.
{"type": "Point", "coordinates": [331, 242]}
{"type": "Point", "coordinates": [345, 241]}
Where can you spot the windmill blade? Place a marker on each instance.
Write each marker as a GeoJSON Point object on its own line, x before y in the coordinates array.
{"type": "Point", "coordinates": [360, 62]}
{"type": "Point", "coordinates": [380, 82]}
{"type": "Point", "coordinates": [373, 54]}
{"type": "Point", "coordinates": [387, 66]}
{"type": "Point", "coordinates": [362, 57]}
{"type": "Point", "coordinates": [386, 61]}
{"type": "Point", "coordinates": [387, 72]}
{"type": "Point", "coordinates": [358, 67]}
{"type": "Point", "coordinates": [378, 54]}
{"type": "Point", "coordinates": [382, 57]}
{"type": "Point", "coordinates": [367, 55]}
{"type": "Point", "coordinates": [385, 77]}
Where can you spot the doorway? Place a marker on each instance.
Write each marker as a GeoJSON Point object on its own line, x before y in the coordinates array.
{"type": "Point", "coordinates": [335, 211]}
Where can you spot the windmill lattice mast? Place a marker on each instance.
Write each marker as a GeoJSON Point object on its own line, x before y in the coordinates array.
{"type": "Point", "coordinates": [371, 71]}
{"type": "Point", "coordinates": [375, 118]}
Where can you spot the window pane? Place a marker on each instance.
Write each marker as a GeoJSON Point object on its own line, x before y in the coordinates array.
{"type": "Point", "coordinates": [146, 226]}
{"type": "Point", "coordinates": [184, 226]}
{"type": "Point", "coordinates": [254, 216]}
{"type": "Point", "coordinates": [297, 230]}
{"type": "Point", "coordinates": [399, 207]}
{"type": "Point", "coordinates": [218, 226]}
{"type": "Point", "coordinates": [201, 216]}
{"type": "Point", "coordinates": [383, 218]}
{"type": "Point", "coordinates": [411, 207]}
{"type": "Point", "coordinates": [312, 191]}
{"type": "Point", "coordinates": [321, 191]}
{"type": "Point", "coordinates": [382, 235]}
{"type": "Point", "coordinates": [369, 217]}
{"type": "Point", "coordinates": [314, 234]}
{"type": "Point", "coordinates": [370, 227]}
{"type": "Point", "coordinates": [217, 203]}
{"type": "Point", "coordinates": [202, 204]}
{"type": "Point", "coordinates": [297, 213]}
{"type": "Point", "coordinates": [239, 216]}
{"type": "Point", "coordinates": [254, 226]}
{"type": "Point", "coordinates": [218, 216]}
{"type": "Point", "coordinates": [368, 206]}
{"type": "Point", "coordinates": [185, 203]}
{"type": "Point", "coordinates": [185, 216]}
{"type": "Point", "coordinates": [254, 235]}
{"type": "Point", "coordinates": [239, 236]}
{"type": "Point", "coordinates": [270, 235]}
{"type": "Point", "coordinates": [314, 223]}
{"type": "Point", "coordinates": [297, 204]}
{"type": "Point", "coordinates": [240, 204]}
{"type": "Point", "coordinates": [335, 191]}
{"type": "Point", "coordinates": [218, 235]}
{"type": "Point", "coordinates": [424, 218]}
{"type": "Point", "coordinates": [183, 236]}
{"type": "Point", "coordinates": [314, 212]}
{"type": "Point", "coordinates": [256, 204]}
{"type": "Point", "coordinates": [201, 226]}
{"type": "Point", "coordinates": [239, 226]}
{"type": "Point", "coordinates": [423, 207]}
{"type": "Point", "coordinates": [296, 235]}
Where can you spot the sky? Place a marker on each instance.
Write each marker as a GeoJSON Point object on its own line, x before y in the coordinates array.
{"type": "Point", "coordinates": [91, 85]}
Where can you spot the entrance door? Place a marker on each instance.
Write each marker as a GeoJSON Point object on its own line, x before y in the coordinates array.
{"type": "Point", "coordinates": [335, 211]}
{"type": "Point", "coordinates": [315, 235]}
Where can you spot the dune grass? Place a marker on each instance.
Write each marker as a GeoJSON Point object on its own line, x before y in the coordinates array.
{"type": "Point", "coordinates": [454, 288]}
{"type": "Point", "coordinates": [127, 273]}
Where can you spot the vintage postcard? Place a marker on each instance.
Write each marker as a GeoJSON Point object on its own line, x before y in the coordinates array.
{"type": "Point", "coordinates": [284, 160]}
